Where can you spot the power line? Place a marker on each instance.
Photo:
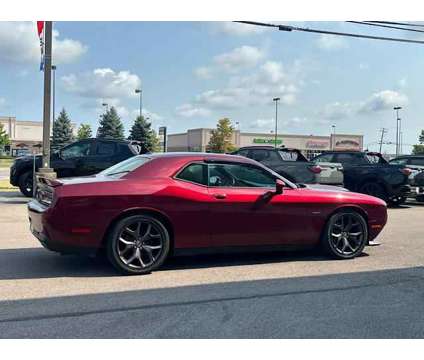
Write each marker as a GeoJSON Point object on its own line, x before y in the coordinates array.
{"type": "Point", "coordinates": [295, 28]}
{"type": "Point", "coordinates": [384, 26]}
{"type": "Point", "coordinates": [397, 23]}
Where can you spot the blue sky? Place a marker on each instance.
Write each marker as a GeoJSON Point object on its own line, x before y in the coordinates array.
{"type": "Point", "coordinates": [192, 74]}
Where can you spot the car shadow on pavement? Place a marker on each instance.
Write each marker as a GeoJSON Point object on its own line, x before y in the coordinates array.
{"type": "Point", "coordinates": [372, 304]}
{"type": "Point", "coordinates": [38, 263]}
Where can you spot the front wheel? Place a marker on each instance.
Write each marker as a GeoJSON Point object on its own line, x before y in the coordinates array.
{"type": "Point", "coordinates": [345, 235]}
{"type": "Point", "coordinates": [138, 245]}
{"type": "Point", "coordinates": [374, 189]}
{"type": "Point", "coordinates": [26, 183]}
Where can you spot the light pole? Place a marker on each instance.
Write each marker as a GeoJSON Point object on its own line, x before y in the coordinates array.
{"type": "Point", "coordinates": [54, 92]}
{"type": "Point", "coordinates": [334, 136]}
{"type": "Point", "coordinates": [276, 100]}
{"type": "Point", "coordinates": [106, 106]}
{"type": "Point", "coordinates": [139, 91]}
{"type": "Point", "coordinates": [397, 108]}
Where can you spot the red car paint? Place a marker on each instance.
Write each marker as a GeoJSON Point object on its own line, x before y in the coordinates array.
{"type": "Point", "coordinates": [84, 209]}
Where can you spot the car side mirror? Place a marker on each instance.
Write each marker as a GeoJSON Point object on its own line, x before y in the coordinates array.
{"type": "Point", "coordinates": [279, 186]}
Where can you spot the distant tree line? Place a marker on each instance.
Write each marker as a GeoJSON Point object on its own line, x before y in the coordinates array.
{"type": "Point", "coordinates": [110, 127]}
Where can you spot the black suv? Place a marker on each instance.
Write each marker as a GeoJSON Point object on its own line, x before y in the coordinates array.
{"type": "Point", "coordinates": [369, 173]}
{"type": "Point", "coordinates": [287, 162]}
{"type": "Point", "coordinates": [85, 157]}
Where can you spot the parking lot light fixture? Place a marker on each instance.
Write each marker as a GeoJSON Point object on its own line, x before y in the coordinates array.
{"type": "Point", "coordinates": [276, 100]}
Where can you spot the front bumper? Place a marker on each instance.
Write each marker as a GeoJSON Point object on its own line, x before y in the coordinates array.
{"type": "Point", "coordinates": [401, 191]}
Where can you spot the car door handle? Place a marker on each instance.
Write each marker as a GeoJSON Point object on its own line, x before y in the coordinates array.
{"type": "Point", "coordinates": [220, 196]}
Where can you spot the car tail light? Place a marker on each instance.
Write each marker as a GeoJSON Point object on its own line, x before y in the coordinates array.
{"type": "Point", "coordinates": [45, 195]}
{"type": "Point", "coordinates": [406, 171]}
{"type": "Point", "coordinates": [315, 169]}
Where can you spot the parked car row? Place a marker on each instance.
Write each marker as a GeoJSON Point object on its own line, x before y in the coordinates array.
{"type": "Point", "coordinates": [364, 172]}
{"type": "Point", "coordinates": [416, 179]}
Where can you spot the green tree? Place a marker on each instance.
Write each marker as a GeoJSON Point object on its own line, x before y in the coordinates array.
{"type": "Point", "coordinates": [142, 131]}
{"type": "Point", "coordinates": [419, 149]}
{"type": "Point", "coordinates": [4, 138]}
{"type": "Point", "coordinates": [84, 132]}
{"type": "Point", "coordinates": [111, 126]}
{"type": "Point", "coordinates": [220, 141]}
{"type": "Point", "coordinates": [62, 131]}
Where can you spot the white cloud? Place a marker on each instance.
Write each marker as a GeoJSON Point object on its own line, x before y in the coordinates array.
{"type": "Point", "coordinates": [19, 43]}
{"type": "Point", "coordinates": [237, 29]}
{"type": "Point", "coordinates": [102, 83]}
{"type": "Point", "coordinates": [269, 124]}
{"type": "Point", "coordinates": [189, 111]}
{"type": "Point", "coordinates": [239, 58]}
{"type": "Point", "coordinates": [383, 100]}
{"type": "Point", "coordinates": [379, 101]}
{"type": "Point", "coordinates": [331, 42]}
{"type": "Point", "coordinates": [203, 72]}
{"type": "Point", "coordinates": [152, 116]}
{"type": "Point", "coordinates": [336, 111]}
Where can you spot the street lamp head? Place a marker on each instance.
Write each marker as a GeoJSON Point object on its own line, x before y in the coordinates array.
{"type": "Point", "coordinates": [137, 91]}
{"type": "Point", "coordinates": [53, 67]}
{"type": "Point", "coordinates": [397, 108]}
{"type": "Point", "coordinates": [104, 104]}
{"type": "Point", "coordinates": [276, 99]}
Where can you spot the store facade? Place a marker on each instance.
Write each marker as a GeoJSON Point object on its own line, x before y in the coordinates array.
{"type": "Point", "coordinates": [310, 145]}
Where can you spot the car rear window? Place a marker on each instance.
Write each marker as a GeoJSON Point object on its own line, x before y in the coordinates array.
{"type": "Point", "coordinates": [126, 166]}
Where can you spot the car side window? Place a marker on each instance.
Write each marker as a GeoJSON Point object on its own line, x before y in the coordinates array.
{"type": "Point", "coordinates": [195, 173]}
{"type": "Point", "coordinates": [324, 158]}
{"type": "Point", "coordinates": [417, 161]}
{"type": "Point", "coordinates": [259, 155]}
{"type": "Point", "coordinates": [401, 161]}
{"type": "Point", "coordinates": [244, 153]}
{"type": "Point", "coordinates": [105, 148]}
{"type": "Point", "coordinates": [76, 150]}
{"type": "Point", "coordinates": [239, 175]}
{"type": "Point", "coordinates": [346, 159]}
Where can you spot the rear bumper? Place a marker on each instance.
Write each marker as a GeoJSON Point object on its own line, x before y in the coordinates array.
{"type": "Point", "coordinates": [38, 220]}
{"type": "Point", "coordinates": [402, 190]}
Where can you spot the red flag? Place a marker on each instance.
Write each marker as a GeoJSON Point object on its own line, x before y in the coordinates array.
{"type": "Point", "coordinates": [40, 27]}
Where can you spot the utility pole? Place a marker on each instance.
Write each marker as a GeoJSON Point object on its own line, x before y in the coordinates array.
{"type": "Point", "coordinates": [383, 132]}
{"type": "Point", "coordinates": [333, 140]}
{"type": "Point", "coordinates": [45, 169]}
{"type": "Point", "coordinates": [397, 108]}
{"type": "Point", "coordinates": [277, 99]}
{"type": "Point", "coordinates": [54, 92]}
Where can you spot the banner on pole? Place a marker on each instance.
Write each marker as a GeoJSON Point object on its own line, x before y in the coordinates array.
{"type": "Point", "coordinates": [40, 32]}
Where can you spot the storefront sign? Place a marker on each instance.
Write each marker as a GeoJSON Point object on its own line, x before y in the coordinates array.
{"type": "Point", "coordinates": [317, 144]}
{"type": "Point", "coordinates": [267, 141]}
{"type": "Point", "coordinates": [347, 144]}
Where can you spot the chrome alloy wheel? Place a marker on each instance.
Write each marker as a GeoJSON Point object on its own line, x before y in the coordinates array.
{"type": "Point", "coordinates": [140, 244]}
{"type": "Point", "coordinates": [347, 233]}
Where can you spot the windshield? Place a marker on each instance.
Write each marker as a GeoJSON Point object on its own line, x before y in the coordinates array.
{"type": "Point", "coordinates": [126, 166]}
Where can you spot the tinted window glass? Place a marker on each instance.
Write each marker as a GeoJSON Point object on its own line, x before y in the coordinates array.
{"type": "Point", "coordinates": [124, 150]}
{"type": "Point", "coordinates": [126, 166]}
{"type": "Point", "coordinates": [399, 161]}
{"type": "Point", "coordinates": [324, 158]}
{"type": "Point", "coordinates": [238, 175]}
{"type": "Point", "coordinates": [243, 153]}
{"type": "Point", "coordinates": [375, 159]}
{"type": "Point", "coordinates": [105, 148]}
{"type": "Point", "coordinates": [264, 155]}
{"type": "Point", "coordinates": [417, 161]}
{"type": "Point", "coordinates": [76, 150]}
{"type": "Point", "coordinates": [194, 173]}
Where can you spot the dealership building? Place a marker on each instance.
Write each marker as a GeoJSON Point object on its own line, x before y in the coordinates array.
{"type": "Point", "coordinates": [25, 136]}
{"type": "Point", "coordinates": [310, 145]}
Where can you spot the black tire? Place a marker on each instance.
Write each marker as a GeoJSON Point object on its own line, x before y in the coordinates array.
{"type": "Point", "coordinates": [127, 237]}
{"type": "Point", "coordinates": [26, 183]}
{"type": "Point", "coordinates": [334, 243]}
{"type": "Point", "coordinates": [420, 198]}
{"type": "Point", "coordinates": [396, 201]}
{"type": "Point", "coordinates": [374, 189]}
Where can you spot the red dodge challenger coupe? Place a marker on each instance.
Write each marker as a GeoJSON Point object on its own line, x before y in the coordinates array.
{"type": "Point", "coordinates": [148, 207]}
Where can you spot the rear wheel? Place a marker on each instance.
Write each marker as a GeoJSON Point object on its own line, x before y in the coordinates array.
{"type": "Point", "coordinates": [374, 189]}
{"type": "Point", "coordinates": [345, 235]}
{"type": "Point", "coordinates": [138, 245]}
{"type": "Point", "coordinates": [26, 183]}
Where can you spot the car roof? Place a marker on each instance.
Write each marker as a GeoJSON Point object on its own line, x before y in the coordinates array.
{"type": "Point", "coordinates": [199, 156]}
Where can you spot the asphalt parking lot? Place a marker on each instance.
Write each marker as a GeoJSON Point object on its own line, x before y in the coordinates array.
{"type": "Point", "coordinates": [282, 295]}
